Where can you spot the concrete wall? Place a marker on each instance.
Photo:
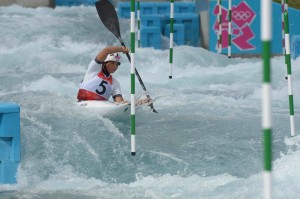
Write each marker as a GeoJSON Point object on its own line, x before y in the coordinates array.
{"type": "Point", "coordinates": [28, 3]}
{"type": "Point", "coordinates": [202, 7]}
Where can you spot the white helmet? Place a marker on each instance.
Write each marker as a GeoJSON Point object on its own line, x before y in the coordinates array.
{"type": "Point", "coordinates": [113, 57]}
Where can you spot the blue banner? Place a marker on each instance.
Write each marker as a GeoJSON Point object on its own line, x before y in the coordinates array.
{"type": "Point", "coordinates": [245, 34]}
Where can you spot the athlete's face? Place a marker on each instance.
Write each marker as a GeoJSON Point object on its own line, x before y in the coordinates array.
{"type": "Point", "coordinates": [112, 66]}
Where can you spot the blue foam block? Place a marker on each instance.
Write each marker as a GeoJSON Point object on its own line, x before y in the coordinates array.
{"type": "Point", "coordinates": [9, 108]}
{"type": "Point", "coordinates": [163, 7]}
{"type": "Point", "coordinates": [151, 37]}
{"type": "Point", "coordinates": [153, 20]}
{"type": "Point", "coordinates": [10, 131]}
{"type": "Point", "coordinates": [191, 24]}
{"type": "Point", "coordinates": [148, 8]}
{"type": "Point", "coordinates": [75, 2]}
{"type": "Point", "coordinates": [184, 7]}
{"type": "Point", "coordinates": [124, 10]}
{"type": "Point", "coordinates": [8, 172]}
{"type": "Point", "coordinates": [10, 148]}
{"type": "Point", "coordinates": [89, 2]}
{"type": "Point", "coordinates": [5, 147]}
{"type": "Point", "coordinates": [68, 2]}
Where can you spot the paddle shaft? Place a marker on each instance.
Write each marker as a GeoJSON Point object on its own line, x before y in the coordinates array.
{"type": "Point", "coordinates": [137, 74]}
{"type": "Point", "coordinates": [139, 77]}
{"type": "Point", "coordinates": [109, 18]}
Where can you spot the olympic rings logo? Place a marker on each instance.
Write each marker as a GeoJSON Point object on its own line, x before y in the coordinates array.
{"type": "Point", "coordinates": [241, 15]}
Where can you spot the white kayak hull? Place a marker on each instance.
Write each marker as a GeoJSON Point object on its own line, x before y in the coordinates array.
{"type": "Point", "coordinates": [105, 107]}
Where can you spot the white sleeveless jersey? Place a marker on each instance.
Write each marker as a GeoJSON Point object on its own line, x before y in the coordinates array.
{"type": "Point", "coordinates": [96, 86]}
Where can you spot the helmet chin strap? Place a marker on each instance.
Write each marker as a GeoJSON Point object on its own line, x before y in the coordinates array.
{"type": "Point", "coordinates": [105, 71]}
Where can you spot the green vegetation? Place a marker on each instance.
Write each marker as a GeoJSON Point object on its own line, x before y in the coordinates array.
{"type": "Point", "coordinates": [292, 3]}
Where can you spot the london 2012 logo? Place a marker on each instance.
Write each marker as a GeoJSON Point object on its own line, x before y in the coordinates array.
{"type": "Point", "coordinates": [242, 18]}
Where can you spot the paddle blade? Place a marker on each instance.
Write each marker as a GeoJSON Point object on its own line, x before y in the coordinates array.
{"type": "Point", "coordinates": [108, 16]}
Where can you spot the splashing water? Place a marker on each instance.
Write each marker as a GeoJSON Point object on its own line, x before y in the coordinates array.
{"type": "Point", "coordinates": [206, 141]}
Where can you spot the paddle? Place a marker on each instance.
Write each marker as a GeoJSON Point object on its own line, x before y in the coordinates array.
{"type": "Point", "coordinates": [109, 18]}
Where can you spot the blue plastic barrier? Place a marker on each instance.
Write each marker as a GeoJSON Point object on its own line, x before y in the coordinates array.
{"type": "Point", "coordinates": [151, 37]}
{"type": "Point", "coordinates": [124, 10]}
{"type": "Point", "coordinates": [145, 8]}
{"type": "Point", "coordinates": [191, 24]}
{"type": "Point", "coordinates": [9, 142]}
{"type": "Point", "coordinates": [163, 8]}
{"type": "Point", "coordinates": [75, 2]}
{"type": "Point", "coordinates": [155, 20]}
{"type": "Point", "coordinates": [157, 14]}
{"type": "Point", "coordinates": [184, 7]}
{"type": "Point", "coordinates": [156, 8]}
{"type": "Point", "coordinates": [178, 35]}
{"type": "Point", "coordinates": [68, 2]}
{"type": "Point", "coordinates": [148, 8]}
{"type": "Point", "coordinates": [295, 46]}
{"type": "Point", "coordinates": [89, 2]}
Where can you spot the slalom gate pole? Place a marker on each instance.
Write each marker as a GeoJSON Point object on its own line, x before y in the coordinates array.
{"type": "Point", "coordinates": [289, 70]}
{"type": "Point", "coordinates": [171, 38]}
{"type": "Point", "coordinates": [218, 33]}
{"type": "Point", "coordinates": [282, 25]}
{"type": "Point", "coordinates": [139, 23]}
{"type": "Point", "coordinates": [132, 76]}
{"type": "Point", "coordinates": [266, 36]}
{"type": "Point", "coordinates": [286, 5]}
{"type": "Point", "coordinates": [229, 28]}
{"type": "Point", "coordinates": [220, 27]}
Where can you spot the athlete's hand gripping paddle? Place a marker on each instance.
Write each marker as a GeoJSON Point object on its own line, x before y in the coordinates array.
{"type": "Point", "coordinates": [109, 18]}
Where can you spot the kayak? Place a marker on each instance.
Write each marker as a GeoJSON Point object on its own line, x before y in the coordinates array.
{"type": "Point", "coordinates": [105, 107]}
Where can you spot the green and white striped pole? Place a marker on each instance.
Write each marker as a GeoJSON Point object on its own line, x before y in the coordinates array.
{"type": "Point", "coordinates": [289, 70]}
{"type": "Point", "coordinates": [266, 36]}
{"type": "Point", "coordinates": [220, 27]}
{"type": "Point", "coordinates": [229, 28]}
{"type": "Point", "coordinates": [132, 71]}
{"type": "Point", "coordinates": [286, 5]}
{"type": "Point", "coordinates": [282, 25]}
{"type": "Point", "coordinates": [139, 23]}
{"type": "Point", "coordinates": [171, 38]}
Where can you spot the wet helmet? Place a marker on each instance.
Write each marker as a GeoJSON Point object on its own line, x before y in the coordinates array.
{"type": "Point", "coordinates": [113, 57]}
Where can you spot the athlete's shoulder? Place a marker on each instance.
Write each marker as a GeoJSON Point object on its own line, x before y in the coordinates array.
{"type": "Point", "coordinates": [115, 81]}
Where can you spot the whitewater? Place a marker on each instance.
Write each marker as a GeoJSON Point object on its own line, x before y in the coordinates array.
{"type": "Point", "coordinates": [206, 141]}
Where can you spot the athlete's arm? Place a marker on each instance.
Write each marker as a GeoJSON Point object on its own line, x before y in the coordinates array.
{"type": "Point", "coordinates": [109, 50]}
